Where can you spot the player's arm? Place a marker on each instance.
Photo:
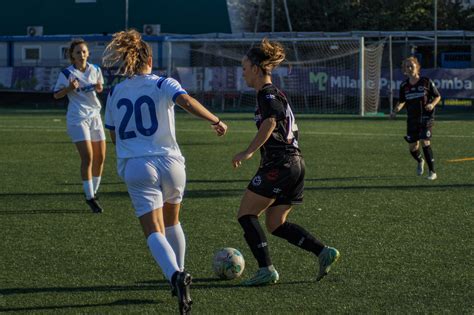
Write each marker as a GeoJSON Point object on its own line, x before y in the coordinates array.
{"type": "Point", "coordinates": [398, 107]}
{"type": "Point", "coordinates": [264, 132]}
{"type": "Point", "coordinates": [73, 84]}
{"type": "Point", "coordinates": [192, 106]}
{"type": "Point", "coordinates": [434, 93]}
{"type": "Point", "coordinates": [99, 87]}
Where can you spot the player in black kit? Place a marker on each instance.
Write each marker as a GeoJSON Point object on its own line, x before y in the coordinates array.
{"type": "Point", "coordinates": [420, 96]}
{"type": "Point", "coordinates": [279, 181]}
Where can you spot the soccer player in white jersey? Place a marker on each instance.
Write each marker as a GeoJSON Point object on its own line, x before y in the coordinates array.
{"type": "Point", "coordinates": [140, 117]}
{"type": "Point", "coordinates": [80, 82]}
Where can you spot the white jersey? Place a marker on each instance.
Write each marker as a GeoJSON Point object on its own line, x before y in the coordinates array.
{"type": "Point", "coordinates": [141, 112]}
{"type": "Point", "coordinates": [83, 102]}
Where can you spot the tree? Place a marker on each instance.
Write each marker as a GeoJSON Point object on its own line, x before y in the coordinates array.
{"type": "Point", "coordinates": [350, 15]}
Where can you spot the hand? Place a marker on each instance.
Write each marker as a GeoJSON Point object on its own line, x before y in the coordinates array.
{"type": "Point", "coordinates": [429, 107]}
{"type": "Point", "coordinates": [73, 84]}
{"type": "Point", "coordinates": [239, 157]}
{"type": "Point", "coordinates": [99, 87]}
{"type": "Point", "coordinates": [220, 128]}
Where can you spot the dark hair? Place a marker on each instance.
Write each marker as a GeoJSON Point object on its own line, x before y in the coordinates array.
{"type": "Point", "coordinates": [267, 56]}
{"type": "Point", "coordinates": [72, 45]}
{"type": "Point", "coordinates": [128, 51]}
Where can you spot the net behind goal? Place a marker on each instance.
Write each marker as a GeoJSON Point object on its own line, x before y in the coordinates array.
{"type": "Point", "coordinates": [318, 75]}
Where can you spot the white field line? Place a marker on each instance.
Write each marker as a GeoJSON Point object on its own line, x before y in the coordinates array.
{"type": "Point", "coordinates": [205, 130]}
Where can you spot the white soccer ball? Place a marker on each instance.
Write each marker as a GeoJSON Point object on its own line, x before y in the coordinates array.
{"type": "Point", "coordinates": [228, 263]}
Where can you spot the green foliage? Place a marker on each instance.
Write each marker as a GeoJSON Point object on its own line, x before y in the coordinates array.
{"type": "Point", "coordinates": [349, 15]}
{"type": "Point", "coordinates": [406, 243]}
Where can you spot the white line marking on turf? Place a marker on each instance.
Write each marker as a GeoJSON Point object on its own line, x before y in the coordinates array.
{"type": "Point", "coordinates": [322, 133]}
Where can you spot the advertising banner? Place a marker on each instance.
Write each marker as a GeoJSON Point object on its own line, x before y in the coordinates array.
{"type": "Point", "coordinates": [452, 83]}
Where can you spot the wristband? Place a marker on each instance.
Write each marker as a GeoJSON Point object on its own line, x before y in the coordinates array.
{"type": "Point", "coordinates": [215, 124]}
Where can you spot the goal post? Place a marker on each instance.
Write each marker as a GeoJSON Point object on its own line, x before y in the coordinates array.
{"type": "Point", "coordinates": [319, 75]}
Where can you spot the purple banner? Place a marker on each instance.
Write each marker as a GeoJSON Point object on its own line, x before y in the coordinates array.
{"type": "Point", "coordinates": [452, 83]}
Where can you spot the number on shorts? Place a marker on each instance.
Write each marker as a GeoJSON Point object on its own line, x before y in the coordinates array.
{"type": "Point", "coordinates": [130, 109]}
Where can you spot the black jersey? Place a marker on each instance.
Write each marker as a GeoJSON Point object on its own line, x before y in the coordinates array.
{"type": "Point", "coordinates": [271, 102]}
{"type": "Point", "coordinates": [416, 97]}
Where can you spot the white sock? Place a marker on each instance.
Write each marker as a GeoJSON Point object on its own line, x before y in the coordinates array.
{"type": "Point", "coordinates": [88, 188]}
{"type": "Point", "coordinates": [163, 254]}
{"type": "Point", "coordinates": [175, 237]}
{"type": "Point", "coordinates": [96, 182]}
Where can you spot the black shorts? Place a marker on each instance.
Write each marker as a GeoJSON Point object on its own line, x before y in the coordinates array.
{"type": "Point", "coordinates": [417, 130]}
{"type": "Point", "coordinates": [283, 181]}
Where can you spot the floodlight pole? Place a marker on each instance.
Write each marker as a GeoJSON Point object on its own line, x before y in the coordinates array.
{"type": "Point", "coordinates": [435, 34]}
{"type": "Point", "coordinates": [126, 14]}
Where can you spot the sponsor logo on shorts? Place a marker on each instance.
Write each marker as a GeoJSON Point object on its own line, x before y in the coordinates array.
{"type": "Point", "coordinates": [428, 133]}
{"type": "Point", "coordinates": [256, 181]}
{"type": "Point", "coordinates": [272, 175]}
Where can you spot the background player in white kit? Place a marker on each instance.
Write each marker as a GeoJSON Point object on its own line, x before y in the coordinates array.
{"type": "Point", "coordinates": [140, 117]}
{"type": "Point", "coordinates": [80, 82]}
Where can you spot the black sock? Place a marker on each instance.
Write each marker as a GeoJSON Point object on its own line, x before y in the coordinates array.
{"type": "Point", "coordinates": [429, 157]}
{"type": "Point", "coordinates": [416, 155]}
{"type": "Point", "coordinates": [298, 236]}
{"type": "Point", "coordinates": [256, 239]}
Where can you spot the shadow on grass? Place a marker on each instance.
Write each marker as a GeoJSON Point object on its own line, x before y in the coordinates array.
{"type": "Point", "coordinates": [148, 285]}
{"type": "Point", "coordinates": [45, 211]}
{"type": "Point", "coordinates": [79, 306]}
{"type": "Point", "coordinates": [225, 192]}
{"type": "Point", "coordinates": [80, 184]}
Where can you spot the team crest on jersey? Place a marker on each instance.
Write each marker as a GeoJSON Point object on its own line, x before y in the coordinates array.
{"type": "Point", "coordinates": [256, 181]}
{"type": "Point", "coordinates": [421, 88]}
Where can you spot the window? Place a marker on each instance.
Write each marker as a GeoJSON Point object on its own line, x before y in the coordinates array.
{"type": "Point", "coordinates": [63, 53]}
{"type": "Point", "coordinates": [31, 53]}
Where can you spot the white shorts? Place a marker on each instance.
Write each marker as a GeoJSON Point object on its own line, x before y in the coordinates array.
{"type": "Point", "coordinates": [90, 129]}
{"type": "Point", "coordinates": [153, 180]}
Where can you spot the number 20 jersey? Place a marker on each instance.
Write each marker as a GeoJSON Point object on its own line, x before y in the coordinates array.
{"type": "Point", "coordinates": [140, 110]}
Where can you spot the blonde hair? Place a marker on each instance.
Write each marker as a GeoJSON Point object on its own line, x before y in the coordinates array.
{"type": "Point", "coordinates": [72, 45]}
{"type": "Point", "coordinates": [128, 52]}
{"type": "Point", "coordinates": [411, 59]}
{"type": "Point", "coordinates": [267, 56]}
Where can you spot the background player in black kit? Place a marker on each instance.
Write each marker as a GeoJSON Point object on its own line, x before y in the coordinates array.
{"type": "Point", "coordinates": [279, 181]}
{"type": "Point", "coordinates": [420, 96]}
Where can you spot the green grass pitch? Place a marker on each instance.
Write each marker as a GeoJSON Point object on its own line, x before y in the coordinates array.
{"type": "Point", "coordinates": [406, 243]}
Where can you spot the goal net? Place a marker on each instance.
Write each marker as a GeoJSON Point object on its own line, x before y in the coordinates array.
{"type": "Point", "coordinates": [318, 75]}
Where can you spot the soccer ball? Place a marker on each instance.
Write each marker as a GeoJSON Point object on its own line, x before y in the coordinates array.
{"type": "Point", "coordinates": [228, 263]}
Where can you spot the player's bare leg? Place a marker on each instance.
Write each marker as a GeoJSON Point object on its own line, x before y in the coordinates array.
{"type": "Point", "coordinates": [251, 206]}
{"type": "Point", "coordinates": [154, 230]}
{"type": "Point", "coordinates": [98, 158]}
{"type": "Point", "coordinates": [277, 224]}
{"type": "Point", "coordinates": [427, 151]}
{"type": "Point", "coordinates": [416, 153]}
{"type": "Point", "coordinates": [85, 152]}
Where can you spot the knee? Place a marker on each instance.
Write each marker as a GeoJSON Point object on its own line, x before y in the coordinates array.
{"type": "Point", "coordinates": [86, 161]}
{"type": "Point", "coordinates": [414, 146]}
{"type": "Point", "coordinates": [273, 223]}
{"type": "Point", "coordinates": [426, 143]}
